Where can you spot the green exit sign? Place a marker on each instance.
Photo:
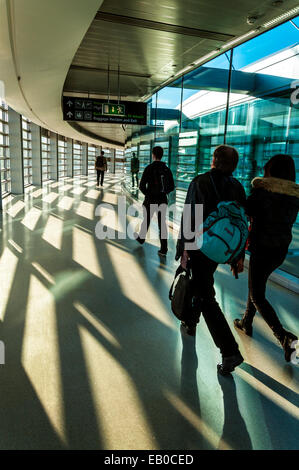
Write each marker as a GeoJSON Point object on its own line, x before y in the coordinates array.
{"type": "Point", "coordinates": [113, 109]}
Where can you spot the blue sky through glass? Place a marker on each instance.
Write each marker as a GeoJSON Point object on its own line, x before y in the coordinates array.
{"type": "Point", "coordinates": [270, 42]}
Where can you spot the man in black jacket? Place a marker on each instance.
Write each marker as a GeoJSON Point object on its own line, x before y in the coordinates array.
{"type": "Point", "coordinates": [101, 167]}
{"type": "Point", "coordinates": [156, 183]}
{"type": "Point", "coordinates": [202, 191]}
{"type": "Point", "coordinates": [134, 169]}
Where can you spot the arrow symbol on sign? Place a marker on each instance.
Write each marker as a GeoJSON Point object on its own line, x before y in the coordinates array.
{"type": "Point", "coordinates": [69, 114]}
{"type": "Point", "coordinates": [69, 103]}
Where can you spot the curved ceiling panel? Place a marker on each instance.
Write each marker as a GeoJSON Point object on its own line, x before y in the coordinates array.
{"type": "Point", "coordinates": [38, 40]}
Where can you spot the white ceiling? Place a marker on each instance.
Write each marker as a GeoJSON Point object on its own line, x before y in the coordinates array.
{"type": "Point", "coordinates": [38, 40]}
{"type": "Point", "coordinates": [51, 47]}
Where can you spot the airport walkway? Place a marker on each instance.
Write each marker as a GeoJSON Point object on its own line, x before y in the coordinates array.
{"type": "Point", "coordinates": [94, 357]}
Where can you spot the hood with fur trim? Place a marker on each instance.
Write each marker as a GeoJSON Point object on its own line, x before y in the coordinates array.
{"type": "Point", "coordinates": [276, 185]}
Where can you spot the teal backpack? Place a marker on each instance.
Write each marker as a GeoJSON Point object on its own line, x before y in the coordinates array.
{"type": "Point", "coordinates": [223, 235]}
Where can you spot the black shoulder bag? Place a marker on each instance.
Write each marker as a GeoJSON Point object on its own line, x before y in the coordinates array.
{"type": "Point", "coordinates": [181, 293]}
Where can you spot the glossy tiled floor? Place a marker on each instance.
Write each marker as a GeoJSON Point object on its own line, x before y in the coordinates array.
{"type": "Point", "coordinates": [94, 358]}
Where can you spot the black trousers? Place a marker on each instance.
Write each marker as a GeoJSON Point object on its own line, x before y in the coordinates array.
{"type": "Point", "coordinates": [135, 176]}
{"type": "Point", "coordinates": [262, 263]}
{"type": "Point", "coordinates": [100, 175]}
{"type": "Point", "coordinates": [148, 212]}
{"type": "Point", "coordinates": [203, 270]}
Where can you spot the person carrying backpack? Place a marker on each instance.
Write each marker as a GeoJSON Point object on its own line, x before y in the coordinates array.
{"type": "Point", "coordinates": [156, 183]}
{"type": "Point", "coordinates": [101, 167]}
{"type": "Point", "coordinates": [134, 169]}
{"type": "Point", "coordinates": [224, 236]}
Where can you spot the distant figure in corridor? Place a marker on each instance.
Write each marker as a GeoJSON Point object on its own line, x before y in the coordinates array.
{"type": "Point", "coordinates": [202, 191]}
{"type": "Point", "coordinates": [156, 183]}
{"type": "Point", "coordinates": [273, 208]}
{"type": "Point", "coordinates": [101, 167]}
{"type": "Point", "coordinates": [134, 169]}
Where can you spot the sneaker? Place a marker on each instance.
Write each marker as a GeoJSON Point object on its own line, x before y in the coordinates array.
{"type": "Point", "coordinates": [243, 326]}
{"type": "Point", "coordinates": [229, 363]}
{"type": "Point", "coordinates": [188, 329]}
{"type": "Point", "coordinates": [287, 343]}
{"type": "Point", "coordinates": [138, 239]}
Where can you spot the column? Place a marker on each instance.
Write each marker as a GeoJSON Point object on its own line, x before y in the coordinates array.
{"type": "Point", "coordinates": [84, 159]}
{"type": "Point", "coordinates": [54, 156]}
{"type": "Point", "coordinates": [69, 158]}
{"type": "Point", "coordinates": [16, 152]}
{"type": "Point", "coordinates": [112, 156]}
{"type": "Point", "coordinates": [36, 155]}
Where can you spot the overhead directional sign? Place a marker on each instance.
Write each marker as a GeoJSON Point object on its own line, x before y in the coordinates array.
{"type": "Point", "coordinates": [95, 110]}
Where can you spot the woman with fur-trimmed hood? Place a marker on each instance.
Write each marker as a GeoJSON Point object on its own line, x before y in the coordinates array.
{"type": "Point", "coordinates": [273, 208]}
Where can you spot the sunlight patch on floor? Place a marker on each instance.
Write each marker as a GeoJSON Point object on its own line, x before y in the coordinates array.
{"type": "Point", "coordinates": [85, 209]}
{"type": "Point", "coordinates": [66, 203]}
{"type": "Point", "coordinates": [97, 324]}
{"type": "Point", "coordinates": [40, 353]}
{"type": "Point", "coordinates": [92, 194]}
{"type": "Point", "coordinates": [8, 265]}
{"type": "Point", "coordinates": [208, 433]}
{"type": "Point", "coordinates": [43, 272]}
{"type": "Point", "coordinates": [16, 208]}
{"type": "Point", "coordinates": [116, 399]}
{"type": "Point", "coordinates": [263, 389]}
{"type": "Point", "coordinates": [31, 218]}
{"type": "Point", "coordinates": [85, 253]}
{"type": "Point", "coordinates": [37, 193]}
{"type": "Point", "coordinates": [53, 232]}
{"type": "Point", "coordinates": [78, 190]}
{"type": "Point", "coordinates": [65, 187]}
{"type": "Point", "coordinates": [142, 294]}
{"type": "Point", "coordinates": [51, 197]}
{"type": "Point", "coordinates": [110, 198]}
{"type": "Point", "coordinates": [15, 245]}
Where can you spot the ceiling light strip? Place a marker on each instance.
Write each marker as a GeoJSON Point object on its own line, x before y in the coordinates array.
{"type": "Point", "coordinates": [239, 39]}
{"type": "Point", "coordinates": [291, 13]}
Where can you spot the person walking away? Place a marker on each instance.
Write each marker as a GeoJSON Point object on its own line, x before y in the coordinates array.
{"type": "Point", "coordinates": [156, 183]}
{"type": "Point", "coordinates": [101, 167]}
{"type": "Point", "coordinates": [273, 208]}
{"type": "Point", "coordinates": [202, 191]}
{"type": "Point", "coordinates": [134, 169]}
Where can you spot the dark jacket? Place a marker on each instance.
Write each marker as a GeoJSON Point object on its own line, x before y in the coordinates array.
{"type": "Point", "coordinates": [273, 206]}
{"type": "Point", "coordinates": [101, 163]}
{"type": "Point", "coordinates": [147, 186]}
{"type": "Point", "coordinates": [201, 191]}
{"type": "Point", "coordinates": [134, 165]}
